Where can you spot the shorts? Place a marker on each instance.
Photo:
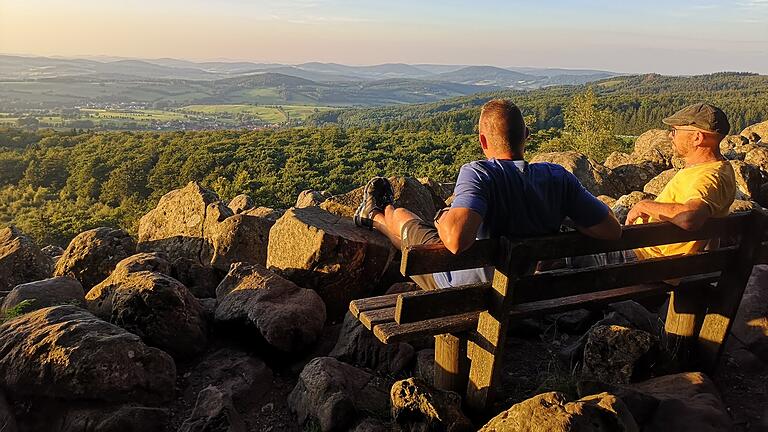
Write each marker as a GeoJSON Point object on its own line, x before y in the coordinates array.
{"type": "Point", "coordinates": [417, 232]}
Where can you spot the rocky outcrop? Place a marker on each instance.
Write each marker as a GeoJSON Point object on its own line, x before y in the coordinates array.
{"type": "Point", "coordinates": [241, 203]}
{"type": "Point", "coordinates": [552, 412]}
{"type": "Point", "coordinates": [45, 293]}
{"type": "Point", "coordinates": [751, 323]}
{"type": "Point", "coordinates": [67, 353]}
{"type": "Point", "coordinates": [358, 346]}
{"type": "Point", "coordinates": [656, 147]}
{"type": "Point", "coordinates": [329, 254]}
{"type": "Point", "coordinates": [311, 198]}
{"type": "Point", "coordinates": [440, 191]}
{"type": "Point", "coordinates": [622, 205]}
{"type": "Point", "coordinates": [633, 177]}
{"type": "Point", "coordinates": [758, 158]}
{"type": "Point", "coordinates": [734, 147]}
{"type": "Point", "coordinates": [612, 351]}
{"type": "Point", "coordinates": [180, 222]}
{"type": "Point", "coordinates": [409, 193]}
{"type": "Point", "coordinates": [418, 406]}
{"type": "Point", "coordinates": [656, 185]}
{"type": "Point", "coordinates": [596, 178]}
{"type": "Point", "coordinates": [748, 180]}
{"type": "Point", "coordinates": [7, 420]}
{"type": "Point", "coordinates": [758, 128]}
{"type": "Point", "coordinates": [336, 393]}
{"type": "Point", "coordinates": [288, 317]}
{"type": "Point", "coordinates": [21, 261]}
{"type": "Point", "coordinates": [214, 411]}
{"type": "Point", "coordinates": [92, 255]}
{"type": "Point", "coordinates": [242, 238]}
{"type": "Point", "coordinates": [200, 280]}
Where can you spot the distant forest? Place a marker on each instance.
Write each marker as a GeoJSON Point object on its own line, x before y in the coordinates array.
{"type": "Point", "coordinates": [54, 185]}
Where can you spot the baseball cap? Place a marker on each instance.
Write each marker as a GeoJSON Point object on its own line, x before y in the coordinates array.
{"type": "Point", "coordinates": [703, 116]}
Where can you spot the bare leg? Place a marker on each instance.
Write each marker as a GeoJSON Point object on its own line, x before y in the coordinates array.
{"type": "Point", "coordinates": [390, 223]}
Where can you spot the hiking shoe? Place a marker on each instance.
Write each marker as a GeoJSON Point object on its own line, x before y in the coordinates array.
{"type": "Point", "coordinates": [377, 194]}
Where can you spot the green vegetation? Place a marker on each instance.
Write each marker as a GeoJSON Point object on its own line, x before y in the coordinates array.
{"type": "Point", "coordinates": [16, 311]}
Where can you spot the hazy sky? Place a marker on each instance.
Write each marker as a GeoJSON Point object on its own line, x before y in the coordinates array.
{"type": "Point", "coordinates": [671, 36]}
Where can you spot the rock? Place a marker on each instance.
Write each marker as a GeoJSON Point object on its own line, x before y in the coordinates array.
{"type": "Point", "coordinates": [241, 203]}
{"type": "Point", "coordinates": [656, 185]}
{"type": "Point", "coordinates": [656, 147]}
{"type": "Point", "coordinates": [751, 323]}
{"type": "Point", "coordinates": [596, 178]}
{"type": "Point", "coordinates": [638, 316]}
{"type": "Point", "coordinates": [358, 346]}
{"type": "Point", "coordinates": [758, 158]}
{"type": "Point", "coordinates": [633, 177]}
{"type": "Point", "coordinates": [329, 254]}
{"type": "Point", "coordinates": [66, 352]}
{"type": "Point", "coordinates": [440, 191]}
{"type": "Point", "coordinates": [92, 255]}
{"type": "Point", "coordinates": [242, 238]}
{"type": "Point", "coordinates": [743, 360]}
{"type": "Point", "coordinates": [402, 287]}
{"type": "Point", "coordinates": [154, 262]}
{"type": "Point", "coordinates": [288, 317]}
{"type": "Point", "coordinates": [213, 412]}
{"type": "Point", "coordinates": [622, 205]}
{"type": "Point", "coordinates": [748, 179]}
{"type": "Point", "coordinates": [96, 417]}
{"type": "Point", "coordinates": [372, 425]}
{"type": "Point", "coordinates": [20, 260]}
{"type": "Point", "coordinates": [245, 378]}
{"type": "Point", "coordinates": [573, 353]}
{"type": "Point", "coordinates": [200, 280]}
{"type": "Point", "coordinates": [161, 311]}
{"type": "Point", "coordinates": [180, 223]}
{"type": "Point", "coordinates": [758, 128]}
{"type": "Point", "coordinates": [7, 420]}
{"type": "Point", "coordinates": [731, 147]}
{"type": "Point", "coordinates": [742, 205]}
{"type": "Point", "coordinates": [335, 393]}
{"type": "Point", "coordinates": [311, 198]}
{"type": "Point", "coordinates": [605, 199]}
{"type": "Point", "coordinates": [571, 322]}
{"type": "Point", "coordinates": [551, 412]}
{"type": "Point", "coordinates": [52, 251]}
{"type": "Point", "coordinates": [409, 193]}
{"type": "Point", "coordinates": [617, 159]}
{"type": "Point", "coordinates": [44, 293]}
{"type": "Point", "coordinates": [419, 406]}
{"type": "Point", "coordinates": [425, 365]}
{"type": "Point", "coordinates": [612, 352]}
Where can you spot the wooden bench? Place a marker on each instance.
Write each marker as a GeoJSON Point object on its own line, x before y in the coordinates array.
{"type": "Point", "coordinates": [470, 323]}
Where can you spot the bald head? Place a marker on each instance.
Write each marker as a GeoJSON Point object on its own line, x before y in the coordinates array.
{"type": "Point", "coordinates": [502, 124]}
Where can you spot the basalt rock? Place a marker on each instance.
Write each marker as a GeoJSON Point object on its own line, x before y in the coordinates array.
{"type": "Point", "coordinates": [92, 255]}
{"type": "Point", "coordinates": [758, 128]}
{"type": "Point", "coordinates": [201, 280]}
{"type": "Point", "coordinates": [418, 406]}
{"type": "Point", "coordinates": [596, 178]}
{"type": "Point", "coordinates": [633, 177]}
{"type": "Point", "coordinates": [656, 185]}
{"type": "Point", "coordinates": [612, 352]}
{"type": "Point", "coordinates": [408, 192]}
{"type": "Point", "coordinates": [358, 346]}
{"type": "Point", "coordinates": [748, 180]}
{"type": "Point", "coordinates": [241, 203]}
{"type": "Point", "coordinates": [622, 205]}
{"type": "Point", "coordinates": [45, 293]}
{"type": "Point", "coordinates": [655, 146]}
{"type": "Point", "coordinates": [751, 323]}
{"type": "Point", "coordinates": [214, 412]}
{"type": "Point", "coordinates": [21, 261]}
{"type": "Point", "coordinates": [242, 238]}
{"type": "Point", "coordinates": [311, 198]}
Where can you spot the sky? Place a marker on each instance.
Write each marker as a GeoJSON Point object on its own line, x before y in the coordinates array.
{"type": "Point", "coordinates": [669, 37]}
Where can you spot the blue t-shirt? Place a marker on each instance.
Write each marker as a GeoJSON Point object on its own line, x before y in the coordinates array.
{"type": "Point", "coordinates": [519, 203]}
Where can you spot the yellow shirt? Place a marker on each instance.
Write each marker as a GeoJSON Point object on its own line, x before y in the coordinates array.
{"type": "Point", "coordinates": [712, 182]}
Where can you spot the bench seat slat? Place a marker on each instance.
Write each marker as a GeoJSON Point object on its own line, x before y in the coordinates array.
{"type": "Point", "coordinates": [550, 285]}
{"type": "Point", "coordinates": [424, 305]}
{"type": "Point", "coordinates": [392, 332]}
{"type": "Point", "coordinates": [377, 316]}
{"type": "Point", "coordinates": [436, 258]}
{"type": "Point", "coordinates": [371, 303]}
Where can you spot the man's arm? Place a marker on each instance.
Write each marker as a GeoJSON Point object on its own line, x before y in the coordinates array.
{"type": "Point", "coordinates": [689, 216]}
{"type": "Point", "coordinates": [458, 227]}
{"type": "Point", "coordinates": [607, 229]}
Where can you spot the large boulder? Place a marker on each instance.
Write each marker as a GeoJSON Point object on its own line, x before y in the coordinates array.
{"type": "Point", "coordinates": [7, 420]}
{"type": "Point", "coordinates": [180, 223]}
{"type": "Point", "coordinates": [596, 178]}
{"type": "Point", "coordinates": [732, 147]}
{"type": "Point", "coordinates": [622, 205]}
{"type": "Point", "coordinates": [336, 393]}
{"type": "Point", "coordinates": [758, 128]}
{"type": "Point", "coordinates": [748, 179]}
{"type": "Point", "coordinates": [200, 279]}
{"type": "Point", "coordinates": [241, 203]}
{"type": "Point", "coordinates": [92, 255]}
{"type": "Point", "coordinates": [66, 352]}
{"type": "Point", "coordinates": [288, 317]}
{"type": "Point", "coordinates": [751, 323]}
{"type": "Point", "coordinates": [45, 293]}
{"type": "Point", "coordinates": [21, 261]}
{"type": "Point", "coordinates": [161, 310]}
{"type": "Point", "coordinates": [758, 158]}
{"type": "Point", "coordinates": [419, 406]}
{"type": "Point", "coordinates": [617, 159]}
{"type": "Point", "coordinates": [90, 416]}
{"type": "Point", "coordinates": [311, 198]}
{"type": "Point", "coordinates": [440, 191]}
{"type": "Point", "coordinates": [409, 193]}
{"type": "Point", "coordinates": [656, 185]}
{"type": "Point", "coordinates": [655, 146]}
{"type": "Point", "coordinates": [358, 346]}
{"type": "Point", "coordinates": [214, 412]}
{"type": "Point", "coordinates": [612, 352]}
{"type": "Point", "coordinates": [242, 238]}
{"type": "Point", "coordinates": [329, 254]}
{"type": "Point", "coordinates": [633, 177]}
{"type": "Point", "coordinates": [553, 412]}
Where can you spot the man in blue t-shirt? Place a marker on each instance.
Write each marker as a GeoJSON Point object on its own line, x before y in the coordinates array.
{"type": "Point", "coordinates": [500, 196]}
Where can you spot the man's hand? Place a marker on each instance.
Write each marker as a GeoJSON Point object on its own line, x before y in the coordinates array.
{"type": "Point", "coordinates": [637, 212]}
{"type": "Point", "coordinates": [457, 228]}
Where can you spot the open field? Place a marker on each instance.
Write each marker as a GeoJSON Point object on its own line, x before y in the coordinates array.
{"type": "Point", "coordinates": [268, 114]}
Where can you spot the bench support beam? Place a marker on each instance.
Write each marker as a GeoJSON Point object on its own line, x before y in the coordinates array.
{"type": "Point", "coordinates": [451, 362]}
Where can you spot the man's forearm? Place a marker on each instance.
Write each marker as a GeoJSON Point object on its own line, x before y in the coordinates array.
{"type": "Point", "coordinates": [661, 211]}
{"type": "Point", "coordinates": [689, 216]}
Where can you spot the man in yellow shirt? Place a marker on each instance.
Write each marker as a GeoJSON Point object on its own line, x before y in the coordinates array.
{"type": "Point", "coordinates": [705, 188]}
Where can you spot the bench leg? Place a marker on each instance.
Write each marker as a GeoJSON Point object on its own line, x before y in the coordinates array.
{"type": "Point", "coordinates": [684, 317]}
{"type": "Point", "coordinates": [486, 356]}
{"type": "Point", "coordinates": [451, 362]}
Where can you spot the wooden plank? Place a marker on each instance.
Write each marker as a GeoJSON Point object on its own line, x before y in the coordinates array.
{"type": "Point", "coordinates": [551, 285]}
{"type": "Point", "coordinates": [371, 303]}
{"type": "Point", "coordinates": [393, 332]}
{"type": "Point", "coordinates": [685, 314]}
{"type": "Point", "coordinates": [435, 258]}
{"type": "Point", "coordinates": [451, 362]}
{"type": "Point", "coordinates": [371, 318]}
{"type": "Point", "coordinates": [724, 301]}
{"type": "Point", "coordinates": [444, 302]}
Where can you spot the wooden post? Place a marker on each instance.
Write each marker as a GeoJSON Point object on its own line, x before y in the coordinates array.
{"type": "Point", "coordinates": [684, 317]}
{"type": "Point", "coordinates": [492, 327]}
{"type": "Point", "coordinates": [725, 299]}
{"type": "Point", "coordinates": [451, 362]}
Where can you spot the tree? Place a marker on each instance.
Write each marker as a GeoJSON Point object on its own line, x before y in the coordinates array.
{"type": "Point", "coordinates": [588, 129]}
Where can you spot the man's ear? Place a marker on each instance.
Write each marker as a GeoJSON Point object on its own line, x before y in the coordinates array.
{"type": "Point", "coordinates": [483, 142]}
